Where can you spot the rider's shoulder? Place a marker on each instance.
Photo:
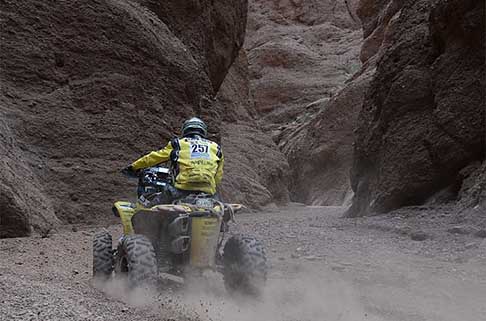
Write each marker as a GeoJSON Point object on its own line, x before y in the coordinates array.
{"type": "Point", "coordinates": [197, 139]}
{"type": "Point", "coordinates": [175, 142]}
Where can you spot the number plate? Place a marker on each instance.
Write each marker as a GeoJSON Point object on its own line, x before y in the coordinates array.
{"type": "Point", "coordinates": [205, 203]}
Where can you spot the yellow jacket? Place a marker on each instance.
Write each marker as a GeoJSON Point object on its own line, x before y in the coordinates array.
{"type": "Point", "coordinates": [197, 162]}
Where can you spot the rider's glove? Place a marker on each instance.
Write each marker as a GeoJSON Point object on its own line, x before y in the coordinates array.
{"type": "Point", "coordinates": [129, 171]}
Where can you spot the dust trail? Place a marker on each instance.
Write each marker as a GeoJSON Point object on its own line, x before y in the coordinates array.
{"type": "Point", "coordinates": [118, 288]}
{"type": "Point", "coordinates": [165, 302]}
{"type": "Point", "coordinates": [304, 295]}
{"type": "Point", "coordinates": [309, 295]}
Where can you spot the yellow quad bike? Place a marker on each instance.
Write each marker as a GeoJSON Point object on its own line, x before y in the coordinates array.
{"type": "Point", "coordinates": [188, 234]}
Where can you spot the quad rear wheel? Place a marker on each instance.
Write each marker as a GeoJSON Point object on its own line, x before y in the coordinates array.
{"type": "Point", "coordinates": [244, 265]}
{"type": "Point", "coordinates": [136, 258]}
{"type": "Point", "coordinates": [102, 255]}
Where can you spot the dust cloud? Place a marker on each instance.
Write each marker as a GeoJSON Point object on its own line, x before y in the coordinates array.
{"type": "Point", "coordinates": [306, 295]}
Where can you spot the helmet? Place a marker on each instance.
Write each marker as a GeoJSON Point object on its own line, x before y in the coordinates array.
{"type": "Point", "coordinates": [194, 126]}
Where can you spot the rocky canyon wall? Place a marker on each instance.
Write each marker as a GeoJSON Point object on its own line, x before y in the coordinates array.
{"type": "Point", "coordinates": [88, 86]}
{"type": "Point", "coordinates": [423, 117]}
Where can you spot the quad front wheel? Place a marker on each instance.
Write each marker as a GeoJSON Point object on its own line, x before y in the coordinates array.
{"type": "Point", "coordinates": [102, 255]}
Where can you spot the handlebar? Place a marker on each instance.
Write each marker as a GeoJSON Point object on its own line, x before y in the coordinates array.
{"type": "Point", "coordinates": [129, 172]}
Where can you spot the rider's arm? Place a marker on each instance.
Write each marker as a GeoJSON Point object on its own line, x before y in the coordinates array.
{"type": "Point", "coordinates": [153, 158]}
{"type": "Point", "coordinates": [219, 172]}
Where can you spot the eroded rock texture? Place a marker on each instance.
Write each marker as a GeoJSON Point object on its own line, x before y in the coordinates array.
{"type": "Point", "coordinates": [299, 52]}
{"type": "Point", "coordinates": [88, 86]}
{"type": "Point", "coordinates": [302, 53]}
{"type": "Point", "coordinates": [319, 146]}
{"type": "Point", "coordinates": [423, 119]}
{"type": "Point", "coordinates": [256, 171]}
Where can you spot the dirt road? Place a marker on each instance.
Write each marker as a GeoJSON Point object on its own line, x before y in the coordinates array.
{"type": "Point", "coordinates": [323, 268]}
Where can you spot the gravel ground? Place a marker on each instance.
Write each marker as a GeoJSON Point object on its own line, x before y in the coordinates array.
{"type": "Point", "coordinates": [324, 267]}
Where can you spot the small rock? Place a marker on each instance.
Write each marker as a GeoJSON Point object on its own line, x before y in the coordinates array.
{"type": "Point", "coordinates": [312, 258]}
{"type": "Point", "coordinates": [124, 310]}
{"type": "Point", "coordinates": [338, 268]}
{"type": "Point", "coordinates": [419, 236]}
{"type": "Point", "coordinates": [74, 229]}
{"type": "Point", "coordinates": [481, 234]}
{"type": "Point", "coordinates": [471, 245]}
{"type": "Point", "coordinates": [463, 230]}
{"type": "Point", "coordinates": [75, 272]}
{"type": "Point", "coordinates": [404, 230]}
{"type": "Point", "coordinates": [45, 233]}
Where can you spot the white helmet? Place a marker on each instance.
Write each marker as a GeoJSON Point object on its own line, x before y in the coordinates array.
{"type": "Point", "coordinates": [194, 126]}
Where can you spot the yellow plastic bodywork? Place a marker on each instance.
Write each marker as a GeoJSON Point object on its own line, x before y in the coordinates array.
{"type": "Point", "coordinates": [204, 240]}
{"type": "Point", "coordinates": [204, 230]}
{"type": "Point", "coordinates": [126, 210]}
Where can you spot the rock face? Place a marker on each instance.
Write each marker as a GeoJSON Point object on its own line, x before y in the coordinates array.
{"type": "Point", "coordinates": [235, 96]}
{"type": "Point", "coordinates": [423, 119]}
{"type": "Point", "coordinates": [319, 146]}
{"type": "Point", "coordinates": [473, 188]}
{"type": "Point", "coordinates": [256, 173]}
{"type": "Point", "coordinates": [213, 31]}
{"type": "Point", "coordinates": [299, 52]}
{"type": "Point", "coordinates": [88, 86]}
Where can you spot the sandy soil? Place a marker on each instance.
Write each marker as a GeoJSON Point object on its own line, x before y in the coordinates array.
{"type": "Point", "coordinates": [324, 267]}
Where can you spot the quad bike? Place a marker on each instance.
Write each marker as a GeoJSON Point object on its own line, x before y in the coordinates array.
{"type": "Point", "coordinates": [173, 238]}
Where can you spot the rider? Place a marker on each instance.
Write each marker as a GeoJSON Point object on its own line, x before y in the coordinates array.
{"type": "Point", "coordinates": [197, 163]}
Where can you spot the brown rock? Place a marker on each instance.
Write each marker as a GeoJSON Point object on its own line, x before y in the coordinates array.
{"type": "Point", "coordinates": [299, 52]}
{"type": "Point", "coordinates": [473, 187]}
{"type": "Point", "coordinates": [376, 16]}
{"type": "Point", "coordinates": [419, 236]}
{"type": "Point", "coordinates": [319, 147]}
{"type": "Point", "coordinates": [480, 234]}
{"type": "Point", "coordinates": [423, 116]}
{"type": "Point", "coordinates": [213, 31]}
{"type": "Point", "coordinates": [460, 230]}
{"type": "Point", "coordinates": [234, 95]}
{"type": "Point", "coordinates": [256, 173]}
{"type": "Point", "coordinates": [89, 86]}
